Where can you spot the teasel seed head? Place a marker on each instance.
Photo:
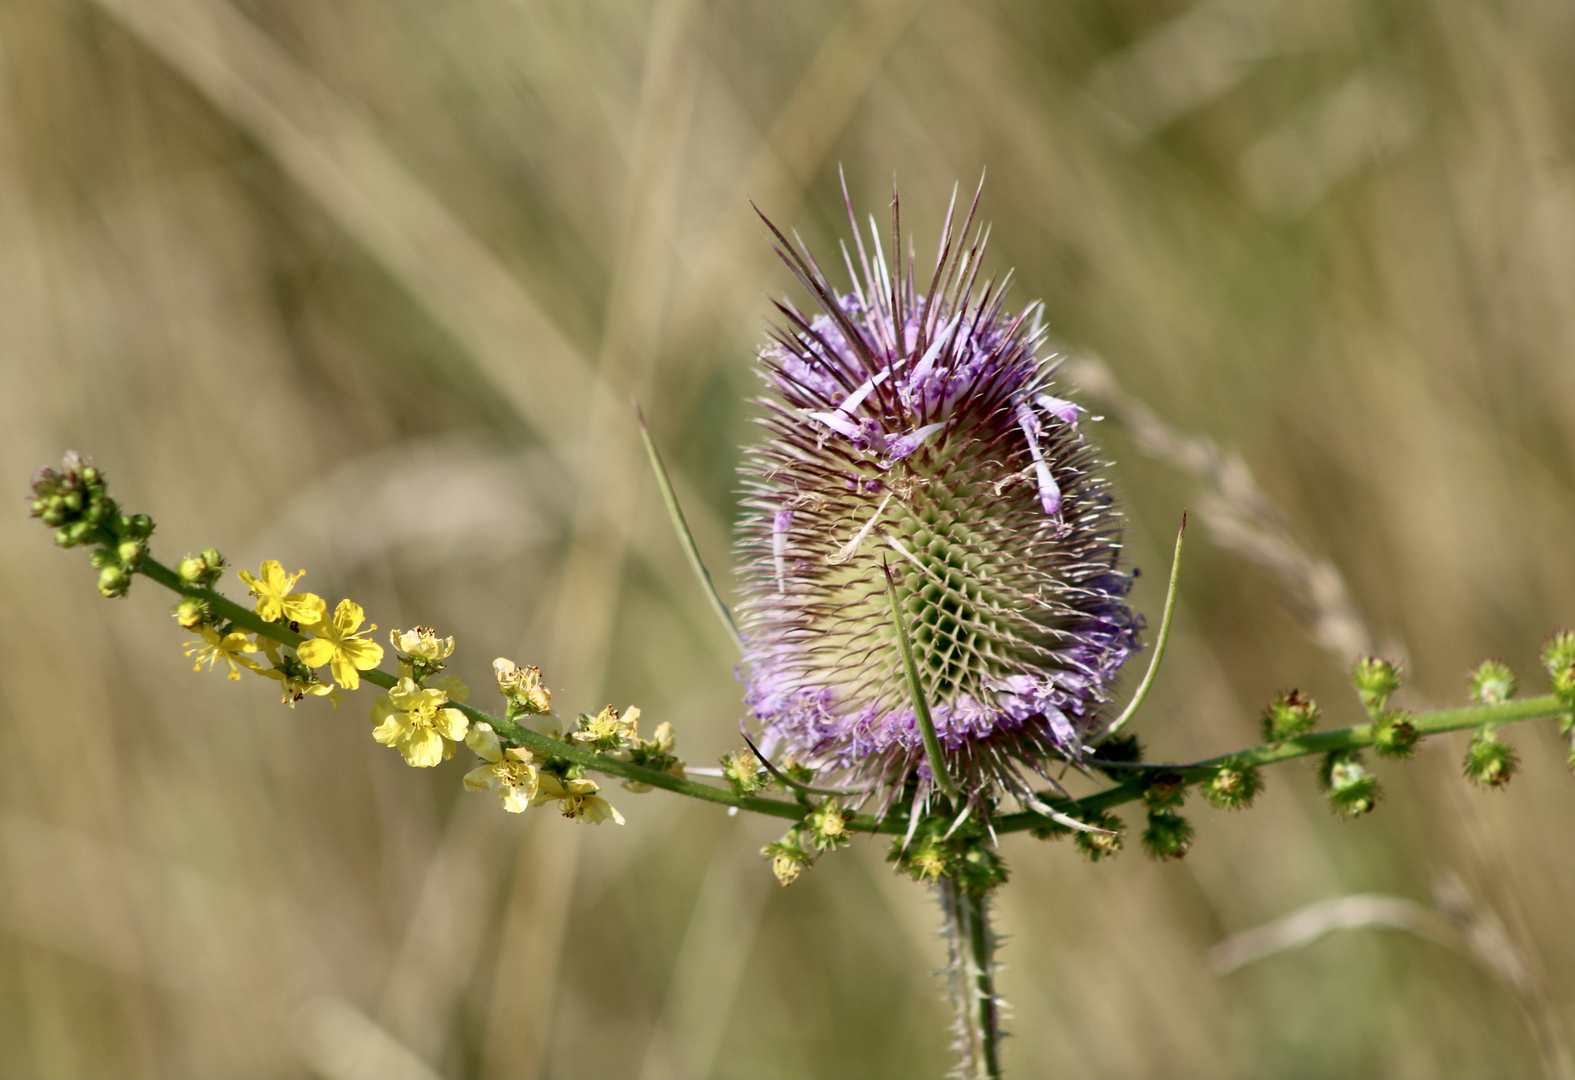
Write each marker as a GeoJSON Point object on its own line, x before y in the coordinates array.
{"type": "Point", "coordinates": [922, 431]}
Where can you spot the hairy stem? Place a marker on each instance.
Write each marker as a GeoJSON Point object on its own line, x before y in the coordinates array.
{"type": "Point", "coordinates": [972, 980]}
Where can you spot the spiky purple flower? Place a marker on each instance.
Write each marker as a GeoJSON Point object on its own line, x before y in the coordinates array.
{"type": "Point", "coordinates": [920, 432]}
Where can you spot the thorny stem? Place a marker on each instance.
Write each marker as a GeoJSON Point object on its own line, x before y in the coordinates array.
{"type": "Point", "coordinates": [1351, 738]}
{"type": "Point", "coordinates": [971, 947]}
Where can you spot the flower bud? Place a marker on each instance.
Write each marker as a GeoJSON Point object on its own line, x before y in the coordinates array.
{"type": "Point", "coordinates": [828, 826]}
{"type": "Point", "coordinates": [1558, 657]}
{"type": "Point", "coordinates": [1100, 845]}
{"type": "Point", "coordinates": [1353, 791]}
{"type": "Point", "coordinates": [192, 569]}
{"type": "Point", "coordinates": [1233, 786]}
{"type": "Point", "coordinates": [1395, 735]}
{"type": "Point", "coordinates": [1492, 683]}
{"type": "Point", "coordinates": [743, 773]}
{"type": "Point", "coordinates": [139, 526]}
{"type": "Point", "coordinates": [192, 613]}
{"type": "Point", "coordinates": [113, 581]}
{"type": "Point", "coordinates": [1164, 790]}
{"type": "Point", "coordinates": [790, 856]}
{"type": "Point", "coordinates": [1291, 714]}
{"type": "Point", "coordinates": [1168, 836]}
{"type": "Point", "coordinates": [1375, 679]}
{"type": "Point", "coordinates": [130, 553]}
{"type": "Point", "coordinates": [1490, 762]}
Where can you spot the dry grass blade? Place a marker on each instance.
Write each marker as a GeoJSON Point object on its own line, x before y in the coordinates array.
{"type": "Point", "coordinates": [1239, 515]}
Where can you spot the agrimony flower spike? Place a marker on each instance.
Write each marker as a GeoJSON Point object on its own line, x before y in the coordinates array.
{"type": "Point", "coordinates": [921, 430]}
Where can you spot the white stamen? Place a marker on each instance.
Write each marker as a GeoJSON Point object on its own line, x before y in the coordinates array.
{"type": "Point", "coordinates": [851, 548]}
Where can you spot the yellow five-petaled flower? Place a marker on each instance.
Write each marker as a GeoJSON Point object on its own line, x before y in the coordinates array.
{"type": "Point", "coordinates": [338, 642]}
{"type": "Point", "coordinates": [272, 589]}
{"type": "Point", "coordinates": [414, 720]}
{"type": "Point", "coordinates": [512, 773]}
{"type": "Point", "coordinates": [214, 649]}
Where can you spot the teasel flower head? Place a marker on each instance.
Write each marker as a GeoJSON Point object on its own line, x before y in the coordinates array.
{"type": "Point", "coordinates": [921, 432]}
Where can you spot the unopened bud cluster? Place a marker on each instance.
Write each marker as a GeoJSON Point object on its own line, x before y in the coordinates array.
{"type": "Point", "coordinates": [824, 828]}
{"type": "Point", "coordinates": [74, 501]}
{"type": "Point", "coordinates": [936, 850]}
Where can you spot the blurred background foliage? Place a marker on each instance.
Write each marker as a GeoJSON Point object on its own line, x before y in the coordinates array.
{"type": "Point", "coordinates": [367, 287]}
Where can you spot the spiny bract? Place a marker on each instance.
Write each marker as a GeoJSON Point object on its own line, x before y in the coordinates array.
{"type": "Point", "coordinates": [918, 431]}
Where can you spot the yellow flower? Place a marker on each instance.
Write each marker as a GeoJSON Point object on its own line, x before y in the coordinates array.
{"type": "Point", "coordinates": [272, 588]}
{"type": "Point", "coordinates": [413, 721]}
{"type": "Point", "coordinates": [512, 773]}
{"type": "Point", "coordinates": [422, 643]}
{"type": "Point", "coordinates": [213, 649]}
{"type": "Point", "coordinates": [295, 678]}
{"type": "Point", "coordinates": [339, 643]}
{"type": "Point", "coordinates": [607, 730]}
{"type": "Point", "coordinates": [522, 686]}
{"type": "Point", "coordinates": [577, 799]}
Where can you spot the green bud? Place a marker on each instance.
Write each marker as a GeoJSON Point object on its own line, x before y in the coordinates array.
{"type": "Point", "coordinates": [54, 514]}
{"type": "Point", "coordinates": [1168, 836]}
{"type": "Point", "coordinates": [1050, 829]}
{"type": "Point", "coordinates": [101, 558]}
{"type": "Point", "coordinates": [1375, 679]}
{"type": "Point", "coordinates": [1558, 653]}
{"type": "Point", "coordinates": [1353, 791]}
{"type": "Point", "coordinates": [72, 501]}
{"type": "Point", "coordinates": [1164, 790]}
{"type": "Point", "coordinates": [113, 581]}
{"type": "Point", "coordinates": [1564, 686]}
{"type": "Point", "coordinates": [91, 475]}
{"type": "Point", "coordinates": [789, 856]}
{"type": "Point", "coordinates": [192, 613]}
{"type": "Point", "coordinates": [63, 538]}
{"type": "Point", "coordinates": [980, 868]}
{"type": "Point", "coordinates": [214, 560]}
{"type": "Point", "coordinates": [130, 553]}
{"type": "Point", "coordinates": [139, 526]}
{"type": "Point", "coordinates": [1291, 714]}
{"type": "Point", "coordinates": [743, 773]}
{"type": "Point", "coordinates": [1396, 735]}
{"type": "Point", "coordinates": [79, 532]}
{"type": "Point", "coordinates": [1125, 749]}
{"type": "Point", "coordinates": [1489, 762]}
{"type": "Point", "coordinates": [828, 826]}
{"type": "Point", "coordinates": [1233, 786]}
{"type": "Point", "coordinates": [192, 569]}
{"type": "Point", "coordinates": [1492, 683]}
{"type": "Point", "coordinates": [1100, 845]}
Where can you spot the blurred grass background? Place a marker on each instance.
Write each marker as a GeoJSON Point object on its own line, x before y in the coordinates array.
{"type": "Point", "coordinates": [366, 287]}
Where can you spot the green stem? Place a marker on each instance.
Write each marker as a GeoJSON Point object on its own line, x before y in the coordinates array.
{"type": "Point", "coordinates": [972, 980]}
{"type": "Point", "coordinates": [510, 732]}
{"type": "Point", "coordinates": [1351, 738]}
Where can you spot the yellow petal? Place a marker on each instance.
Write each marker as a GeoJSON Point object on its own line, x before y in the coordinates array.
{"type": "Point", "coordinates": [484, 741]}
{"type": "Point", "coordinates": [481, 779]}
{"type": "Point", "coordinates": [423, 748]}
{"type": "Point", "coordinates": [315, 652]}
{"type": "Point", "coordinates": [345, 673]}
{"type": "Point", "coordinates": [453, 686]}
{"type": "Point", "coordinates": [451, 724]}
